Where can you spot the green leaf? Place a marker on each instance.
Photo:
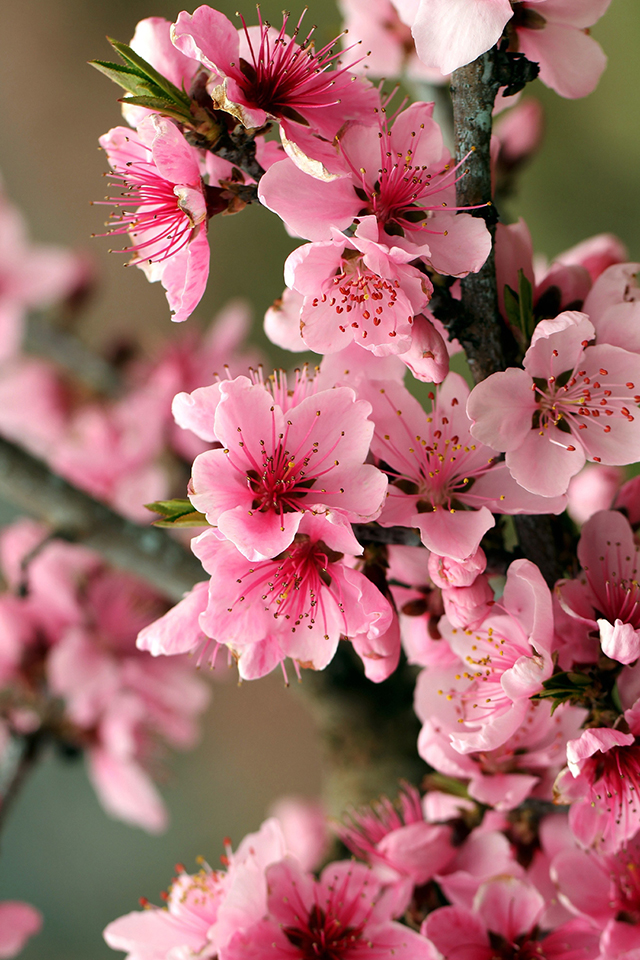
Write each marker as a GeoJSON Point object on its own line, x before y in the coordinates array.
{"type": "Point", "coordinates": [139, 63]}
{"type": "Point", "coordinates": [126, 77]}
{"type": "Point", "coordinates": [525, 291]}
{"type": "Point", "coordinates": [160, 105]}
{"type": "Point", "coordinates": [177, 513]}
{"type": "Point", "coordinates": [512, 306]}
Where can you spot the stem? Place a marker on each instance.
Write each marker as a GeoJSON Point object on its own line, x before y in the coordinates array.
{"type": "Point", "coordinates": [473, 91]}
{"type": "Point", "coordinates": [21, 759]}
{"type": "Point", "coordinates": [148, 552]}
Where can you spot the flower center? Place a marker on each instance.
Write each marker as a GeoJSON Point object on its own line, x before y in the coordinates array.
{"type": "Point", "coordinates": [322, 937]}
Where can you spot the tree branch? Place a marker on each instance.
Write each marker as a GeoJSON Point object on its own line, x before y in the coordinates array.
{"type": "Point", "coordinates": [148, 552]}
{"type": "Point", "coordinates": [17, 763]}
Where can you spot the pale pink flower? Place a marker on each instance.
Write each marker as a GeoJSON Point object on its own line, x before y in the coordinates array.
{"type": "Point", "coordinates": [163, 208]}
{"type": "Point", "coordinates": [305, 829]}
{"type": "Point", "coordinates": [606, 595]}
{"type": "Point", "coordinates": [485, 698]}
{"type": "Point", "coordinates": [602, 783]}
{"type": "Point", "coordinates": [596, 254]}
{"type": "Point", "coordinates": [32, 276]}
{"type": "Point", "coordinates": [441, 480]}
{"type": "Point", "coordinates": [343, 914]}
{"type": "Point", "coordinates": [387, 40]}
{"type": "Point", "coordinates": [261, 74]}
{"type": "Point", "coordinates": [552, 33]}
{"type": "Point", "coordinates": [203, 910]}
{"type": "Point", "coordinates": [279, 462]}
{"type": "Point", "coordinates": [505, 916]}
{"type": "Point", "coordinates": [614, 306]}
{"type": "Point", "coordinates": [18, 922]}
{"type": "Point", "coordinates": [297, 605]}
{"type": "Point", "coordinates": [572, 402]}
{"type": "Point", "coordinates": [591, 490]}
{"type": "Point", "coordinates": [412, 198]}
{"type": "Point", "coordinates": [356, 289]}
{"type": "Point", "coordinates": [518, 133]}
{"type": "Point", "coordinates": [467, 606]}
{"type": "Point", "coordinates": [34, 404]}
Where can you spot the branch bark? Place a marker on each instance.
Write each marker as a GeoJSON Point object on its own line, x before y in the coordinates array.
{"type": "Point", "coordinates": [147, 552]}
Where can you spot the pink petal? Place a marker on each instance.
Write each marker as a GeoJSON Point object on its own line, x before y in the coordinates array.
{"type": "Point", "coordinates": [308, 207]}
{"type": "Point", "coordinates": [18, 922]}
{"type": "Point", "coordinates": [185, 277]}
{"type": "Point", "coordinates": [178, 631]}
{"type": "Point", "coordinates": [126, 792]}
{"type": "Point", "coordinates": [196, 411]}
{"type": "Point", "coordinates": [451, 33]}
{"type": "Point", "coordinates": [453, 533]}
{"type": "Point", "coordinates": [501, 408]}
{"type": "Point", "coordinates": [458, 933]}
{"type": "Point", "coordinates": [543, 463]}
{"type": "Point", "coordinates": [571, 62]}
{"type": "Point", "coordinates": [208, 36]}
{"type": "Point", "coordinates": [509, 907]}
{"type": "Point", "coordinates": [621, 641]}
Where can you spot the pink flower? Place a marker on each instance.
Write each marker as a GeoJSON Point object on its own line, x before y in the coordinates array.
{"type": "Point", "coordinates": [602, 782]}
{"type": "Point", "coordinates": [259, 74]}
{"type": "Point", "coordinates": [614, 305]}
{"type": "Point", "coordinates": [280, 462]}
{"type": "Point", "coordinates": [31, 276]}
{"type": "Point", "coordinates": [396, 840]}
{"type": "Point", "coordinates": [386, 39]}
{"type": "Point", "coordinates": [572, 402]}
{"type": "Point", "coordinates": [160, 174]}
{"type": "Point", "coordinates": [18, 922]}
{"type": "Point", "coordinates": [305, 829]}
{"type": "Point", "coordinates": [504, 918]}
{"type": "Point", "coordinates": [591, 490]}
{"type": "Point", "coordinates": [203, 910]}
{"type": "Point", "coordinates": [441, 480]}
{"type": "Point", "coordinates": [412, 199]}
{"type": "Point", "coordinates": [297, 605]}
{"type": "Point", "coordinates": [484, 699]}
{"type": "Point", "coordinates": [343, 915]}
{"type": "Point", "coordinates": [606, 597]}
{"type": "Point", "coordinates": [553, 33]}
{"type": "Point", "coordinates": [356, 289]}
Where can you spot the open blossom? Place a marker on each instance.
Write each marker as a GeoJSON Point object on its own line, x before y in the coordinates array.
{"type": "Point", "coordinates": [602, 783]}
{"type": "Point", "coordinates": [605, 597]}
{"type": "Point", "coordinates": [552, 33]}
{"type": "Point", "coordinates": [203, 910]}
{"type": "Point", "coordinates": [572, 402]}
{"type": "Point", "coordinates": [484, 698]}
{"type": "Point", "coordinates": [296, 605]}
{"type": "Point", "coordinates": [163, 208]}
{"type": "Point", "coordinates": [357, 289]}
{"type": "Point", "coordinates": [403, 176]}
{"type": "Point", "coordinates": [614, 306]}
{"type": "Point", "coordinates": [441, 480]}
{"type": "Point", "coordinates": [505, 917]}
{"type": "Point", "coordinates": [591, 490]}
{"type": "Point", "coordinates": [278, 464]}
{"type": "Point", "coordinates": [18, 922]}
{"type": "Point", "coordinates": [261, 74]}
{"type": "Point", "coordinates": [343, 915]}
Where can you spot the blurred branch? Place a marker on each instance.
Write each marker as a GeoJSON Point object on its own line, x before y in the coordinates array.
{"type": "Point", "coordinates": [66, 349]}
{"type": "Point", "coordinates": [144, 551]}
{"type": "Point", "coordinates": [17, 763]}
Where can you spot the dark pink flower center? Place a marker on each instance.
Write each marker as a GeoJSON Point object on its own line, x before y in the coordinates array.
{"type": "Point", "coordinates": [615, 588]}
{"type": "Point", "coordinates": [363, 300]}
{"type": "Point", "coordinates": [625, 872]}
{"type": "Point", "coordinates": [323, 937]}
{"type": "Point", "coordinates": [284, 76]}
{"type": "Point", "coordinates": [615, 783]}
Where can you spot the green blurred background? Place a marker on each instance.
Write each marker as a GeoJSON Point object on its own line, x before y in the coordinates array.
{"type": "Point", "coordinates": [60, 851]}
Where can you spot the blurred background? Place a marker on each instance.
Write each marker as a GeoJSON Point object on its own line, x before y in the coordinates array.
{"type": "Point", "coordinates": [59, 850]}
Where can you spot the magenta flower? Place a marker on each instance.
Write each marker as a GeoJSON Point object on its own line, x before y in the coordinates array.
{"type": "Point", "coordinates": [553, 33]}
{"type": "Point", "coordinates": [403, 176]}
{"type": "Point", "coordinates": [161, 179]}
{"type": "Point", "coordinates": [441, 480]}
{"type": "Point", "coordinates": [342, 916]}
{"type": "Point", "coordinates": [606, 596]}
{"type": "Point", "coordinates": [280, 462]}
{"type": "Point", "coordinates": [259, 74]}
{"type": "Point", "coordinates": [572, 402]}
{"type": "Point", "coordinates": [602, 784]}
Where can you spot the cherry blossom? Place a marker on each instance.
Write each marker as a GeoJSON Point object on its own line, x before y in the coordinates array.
{"type": "Point", "coordinates": [433, 460]}
{"type": "Point", "coordinates": [552, 33]}
{"type": "Point", "coordinates": [601, 782]}
{"type": "Point", "coordinates": [162, 182]}
{"type": "Point", "coordinates": [572, 402]}
{"type": "Point", "coordinates": [277, 464]}
{"type": "Point", "coordinates": [605, 596]}
{"type": "Point", "coordinates": [343, 914]}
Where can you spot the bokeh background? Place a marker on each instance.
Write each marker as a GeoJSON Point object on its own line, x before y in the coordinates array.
{"type": "Point", "coordinates": [59, 850]}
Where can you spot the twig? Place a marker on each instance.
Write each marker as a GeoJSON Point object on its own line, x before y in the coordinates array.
{"type": "Point", "coordinates": [17, 763]}
{"type": "Point", "coordinates": [148, 552]}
